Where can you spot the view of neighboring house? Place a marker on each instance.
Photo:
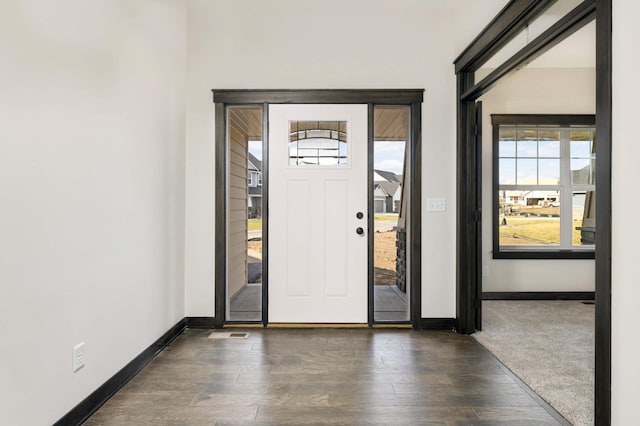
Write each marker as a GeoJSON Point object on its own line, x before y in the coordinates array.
{"type": "Point", "coordinates": [387, 191]}
{"type": "Point", "coordinates": [529, 198]}
{"type": "Point", "coordinates": [254, 186]}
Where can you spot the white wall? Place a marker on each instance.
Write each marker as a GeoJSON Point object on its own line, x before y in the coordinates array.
{"type": "Point", "coordinates": [330, 44]}
{"type": "Point", "coordinates": [533, 91]}
{"type": "Point", "coordinates": [91, 193]}
{"type": "Point", "coordinates": [625, 286]}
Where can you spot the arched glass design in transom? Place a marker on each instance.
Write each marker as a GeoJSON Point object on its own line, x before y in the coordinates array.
{"type": "Point", "coordinates": [318, 143]}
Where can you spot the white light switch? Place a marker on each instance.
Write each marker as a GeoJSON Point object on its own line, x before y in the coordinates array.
{"type": "Point", "coordinates": [436, 205]}
{"type": "Point", "coordinates": [78, 356]}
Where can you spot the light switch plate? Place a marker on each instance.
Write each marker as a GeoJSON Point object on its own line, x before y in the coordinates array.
{"type": "Point", "coordinates": [78, 356]}
{"type": "Point", "coordinates": [436, 205]}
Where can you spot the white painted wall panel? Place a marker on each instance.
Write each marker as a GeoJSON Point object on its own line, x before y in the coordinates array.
{"type": "Point", "coordinates": [91, 193]}
{"type": "Point", "coordinates": [625, 287]}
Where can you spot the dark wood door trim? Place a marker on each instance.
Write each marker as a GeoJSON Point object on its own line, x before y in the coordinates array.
{"type": "Point", "coordinates": [370, 217]}
{"type": "Point", "coordinates": [415, 218]}
{"type": "Point", "coordinates": [265, 214]}
{"type": "Point", "coordinates": [322, 96]}
{"type": "Point", "coordinates": [477, 130]}
{"type": "Point", "coordinates": [372, 97]}
{"type": "Point", "coordinates": [221, 152]}
{"type": "Point", "coordinates": [515, 16]}
{"type": "Point", "coordinates": [466, 202]}
{"type": "Point", "coordinates": [603, 218]}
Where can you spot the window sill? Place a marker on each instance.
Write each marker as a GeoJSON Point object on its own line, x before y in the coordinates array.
{"type": "Point", "coordinates": [544, 254]}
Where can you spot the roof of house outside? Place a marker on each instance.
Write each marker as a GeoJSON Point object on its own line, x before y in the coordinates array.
{"type": "Point", "coordinates": [253, 161]}
{"type": "Point", "coordinates": [389, 176]}
{"type": "Point", "coordinates": [389, 187]}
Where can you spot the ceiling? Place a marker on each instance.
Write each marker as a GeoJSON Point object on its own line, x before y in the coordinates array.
{"type": "Point", "coordinates": [576, 51]}
{"type": "Point", "coordinates": [390, 122]}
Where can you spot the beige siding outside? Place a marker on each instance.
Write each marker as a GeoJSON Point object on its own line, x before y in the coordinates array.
{"type": "Point", "coordinates": [237, 267]}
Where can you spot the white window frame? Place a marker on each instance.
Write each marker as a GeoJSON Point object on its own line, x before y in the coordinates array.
{"type": "Point", "coordinates": [565, 249]}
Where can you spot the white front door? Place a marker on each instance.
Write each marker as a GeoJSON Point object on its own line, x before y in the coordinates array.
{"type": "Point", "coordinates": [318, 213]}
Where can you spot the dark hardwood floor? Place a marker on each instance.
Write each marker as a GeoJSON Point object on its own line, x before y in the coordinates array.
{"type": "Point", "coordinates": [325, 376]}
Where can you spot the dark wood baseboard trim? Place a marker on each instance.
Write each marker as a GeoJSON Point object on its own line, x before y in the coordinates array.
{"type": "Point", "coordinates": [81, 412]}
{"type": "Point", "coordinates": [436, 324]}
{"type": "Point", "coordinates": [204, 322]}
{"type": "Point", "coordinates": [538, 295]}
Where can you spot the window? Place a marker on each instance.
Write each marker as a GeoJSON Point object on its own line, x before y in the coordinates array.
{"type": "Point", "coordinates": [259, 179]}
{"type": "Point", "coordinates": [544, 186]}
{"type": "Point", "coordinates": [250, 179]}
{"type": "Point", "coordinates": [317, 143]}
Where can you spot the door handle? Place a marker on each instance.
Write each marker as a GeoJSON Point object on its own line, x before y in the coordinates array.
{"type": "Point", "coordinates": [359, 230]}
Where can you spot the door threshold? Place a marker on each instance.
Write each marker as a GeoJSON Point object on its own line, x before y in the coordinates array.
{"type": "Point", "coordinates": [315, 325]}
{"type": "Point", "coordinates": [391, 325]}
{"type": "Point", "coordinates": [243, 325]}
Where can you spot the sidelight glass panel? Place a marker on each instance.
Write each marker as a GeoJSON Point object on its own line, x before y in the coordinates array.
{"type": "Point", "coordinates": [391, 206]}
{"type": "Point", "coordinates": [244, 212]}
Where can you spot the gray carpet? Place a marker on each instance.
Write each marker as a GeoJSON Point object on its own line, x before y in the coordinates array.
{"type": "Point", "coordinates": [550, 346]}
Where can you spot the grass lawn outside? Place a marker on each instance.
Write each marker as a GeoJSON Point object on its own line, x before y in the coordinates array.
{"type": "Point", "coordinates": [386, 217]}
{"type": "Point", "coordinates": [255, 224]}
{"type": "Point", "coordinates": [534, 231]}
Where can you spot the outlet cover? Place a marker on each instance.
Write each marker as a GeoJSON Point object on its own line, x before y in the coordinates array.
{"type": "Point", "coordinates": [436, 205]}
{"type": "Point", "coordinates": [78, 356]}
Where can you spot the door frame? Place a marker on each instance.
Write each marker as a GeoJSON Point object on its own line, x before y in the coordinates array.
{"type": "Point", "coordinates": [514, 17]}
{"type": "Point", "coordinates": [224, 98]}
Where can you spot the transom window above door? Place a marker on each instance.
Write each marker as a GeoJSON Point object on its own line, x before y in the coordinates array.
{"type": "Point", "coordinates": [318, 143]}
{"type": "Point", "coordinates": [544, 186]}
